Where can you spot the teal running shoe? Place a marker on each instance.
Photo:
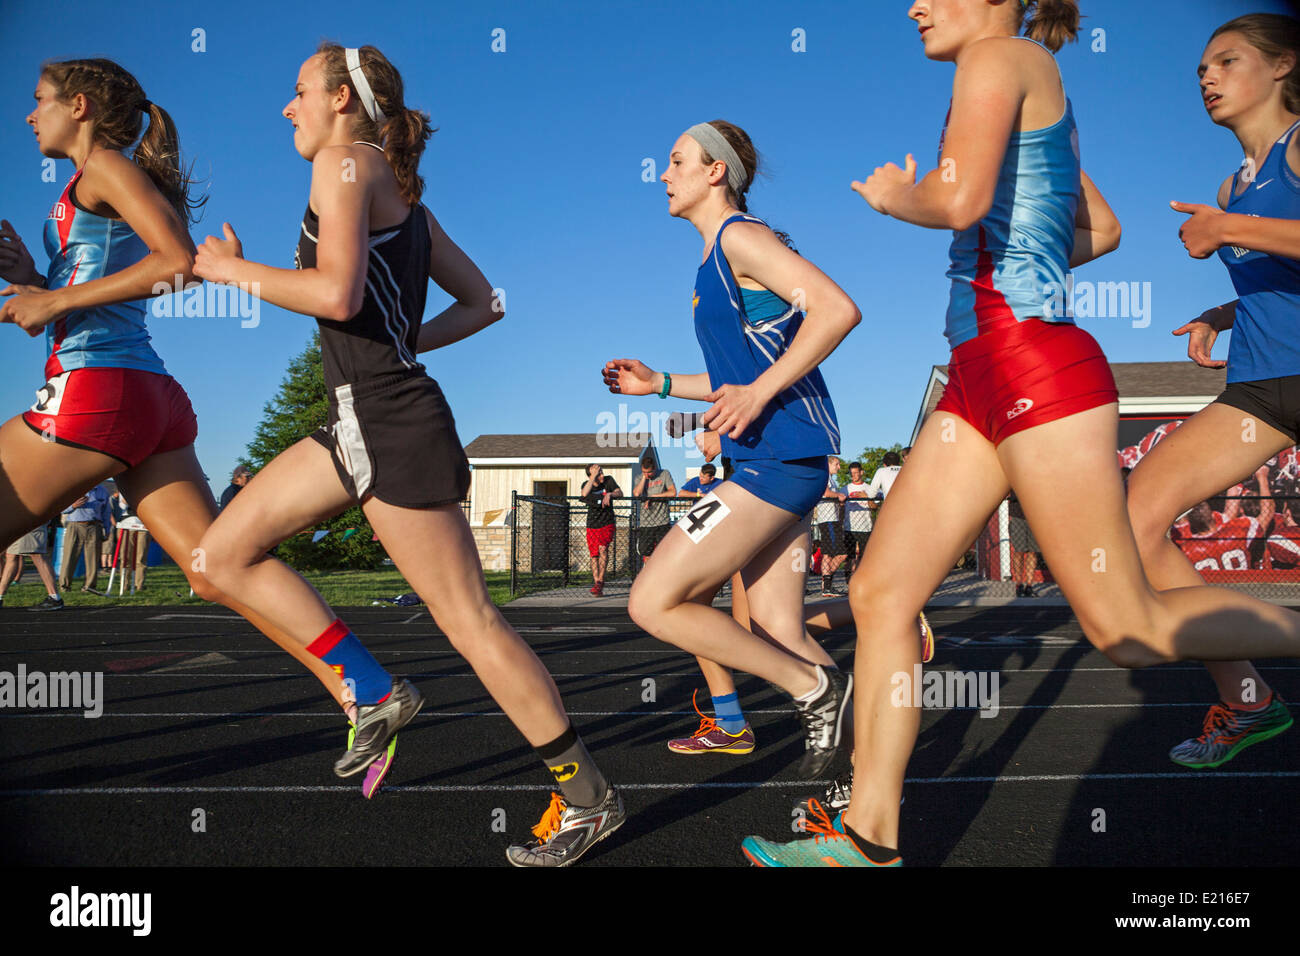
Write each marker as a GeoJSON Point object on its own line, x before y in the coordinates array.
{"type": "Point", "coordinates": [1227, 731]}
{"type": "Point", "coordinates": [828, 845]}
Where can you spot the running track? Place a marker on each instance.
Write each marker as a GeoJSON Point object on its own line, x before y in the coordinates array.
{"type": "Point", "coordinates": [203, 712]}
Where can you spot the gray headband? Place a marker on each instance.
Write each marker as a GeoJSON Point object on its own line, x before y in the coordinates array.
{"type": "Point", "coordinates": [716, 145]}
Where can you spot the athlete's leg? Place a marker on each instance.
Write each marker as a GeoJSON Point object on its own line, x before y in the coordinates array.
{"type": "Point", "coordinates": [774, 588]}
{"type": "Point", "coordinates": [942, 499]}
{"type": "Point", "coordinates": [664, 599]}
{"type": "Point", "coordinates": [1195, 461]}
{"type": "Point", "coordinates": [298, 489]}
{"type": "Point", "coordinates": [173, 500]}
{"type": "Point", "coordinates": [39, 478]}
{"type": "Point", "coordinates": [1065, 477]}
{"type": "Point", "coordinates": [435, 551]}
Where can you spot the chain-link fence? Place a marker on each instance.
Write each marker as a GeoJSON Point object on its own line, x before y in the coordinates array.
{"type": "Point", "coordinates": [1247, 542]}
{"type": "Point", "coordinates": [551, 545]}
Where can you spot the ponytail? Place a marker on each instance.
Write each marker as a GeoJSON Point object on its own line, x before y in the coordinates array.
{"type": "Point", "coordinates": [1053, 23]}
{"type": "Point", "coordinates": [402, 132]}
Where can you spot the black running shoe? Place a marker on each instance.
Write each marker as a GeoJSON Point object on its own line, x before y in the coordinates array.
{"type": "Point", "coordinates": [377, 725]}
{"type": "Point", "coordinates": [49, 604]}
{"type": "Point", "coordinates": [823, 722]}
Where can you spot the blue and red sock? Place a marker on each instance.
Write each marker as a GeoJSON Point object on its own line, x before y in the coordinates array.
{"type": "Point", "coordinates": [339, 648]}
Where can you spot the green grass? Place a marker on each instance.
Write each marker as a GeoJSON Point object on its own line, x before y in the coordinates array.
{"type": "Point", "coordinates": [166, 585]}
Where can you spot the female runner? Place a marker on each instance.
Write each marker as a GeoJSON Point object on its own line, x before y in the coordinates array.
{"type": "Point", "coordinates": [1251, 85]}
{"type": "Point", "coordinates": [108, 407]}
{"type": "Point", "coordinates": [777, 424]}
{"type": "Point", "coordinates": [366, 252]}
{"type": "Point", "coordinates": [1031, 407]}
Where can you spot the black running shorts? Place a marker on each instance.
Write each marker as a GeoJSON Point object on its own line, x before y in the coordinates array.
{"type": "Point", "coordinates": [1274, 401]}
{"type": "Point", "coordinates": [394, 437]}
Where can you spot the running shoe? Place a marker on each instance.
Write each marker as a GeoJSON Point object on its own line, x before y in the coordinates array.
{"type": "Point", "coordinates": [378, 770]}
{"type": "Point", "coordinates": [927, 640]}
{"type": "Point", "coordinates": [834, 799]}
{"type": "Point", "coordinates": [49, 604]}
{"type": "Point", "coordinates": [377, 725]}
{"type": "Point", "coordinates": [828, 846]}
{"type": "Point", "coordinates": [565, 833]}
{"type": "Point", "coordinates": [1227, 731]}
{"type": "Point", "coordinates": [710, 738]}
{"type": "Point", "coordinates": [823, 722]}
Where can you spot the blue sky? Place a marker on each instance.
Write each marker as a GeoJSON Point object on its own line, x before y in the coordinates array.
{"type": "Point", "coordinates": [536, 172]}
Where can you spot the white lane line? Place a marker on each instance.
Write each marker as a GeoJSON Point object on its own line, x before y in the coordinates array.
{"type": "Point", "coordinates": [1134, 705]}
{"type": "Point", "coordinates": [686, 673]}
{"type": "Point", "coordinates": [711, 785]}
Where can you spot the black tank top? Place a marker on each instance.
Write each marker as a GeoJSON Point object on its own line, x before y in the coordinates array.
{"type": "Point", "coordinates": [380, 340]}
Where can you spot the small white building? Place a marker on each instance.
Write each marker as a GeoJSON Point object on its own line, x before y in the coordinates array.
{"type": "Point", "coordinates": [544, 466]}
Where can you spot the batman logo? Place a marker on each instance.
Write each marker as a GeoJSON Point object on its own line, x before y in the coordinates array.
{"type": "Point", "coordinates": [564, 771]}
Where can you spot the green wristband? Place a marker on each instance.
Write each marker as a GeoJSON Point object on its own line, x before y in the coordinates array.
{"type": "Point", "coordinates": [668, 386]}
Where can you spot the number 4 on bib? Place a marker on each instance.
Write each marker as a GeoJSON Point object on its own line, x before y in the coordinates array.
{"type": "Point", "coordinates": [704, 517]}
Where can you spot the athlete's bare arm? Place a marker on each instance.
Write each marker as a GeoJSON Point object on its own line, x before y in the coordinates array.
{"type": "Point", "coordinates": [634, 377]}
{"type": "Point", "coordinates": [756, 254]}
{"type": "Point", "coordinates": [1204, 329]}
{"type": "Point", "coordinates": [1096, 227]}
{"type": "Point", "coordinates": [335, 288]}
{"type": "Point", "coordinates": [988, 93]}
{"type": "Point", "coordinates": [113, 186]}
{"type": "Point", "coordinates": [475, 308]}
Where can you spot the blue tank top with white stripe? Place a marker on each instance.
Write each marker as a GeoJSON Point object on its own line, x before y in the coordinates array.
{"type": "Point", "coordinates": [1266, 332]}
{"type": "Point", "coordinates": [83, 246]}
{"type": "Point", "coordinates": [739, 346]}
{"type": "Point", "coordinates": [1013, 262]}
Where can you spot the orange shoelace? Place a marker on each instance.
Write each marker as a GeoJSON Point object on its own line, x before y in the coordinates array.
{"type": "Point", "coordinates": [819, 823]}
{"type": "Point", "coordinates": [707, 724]}
{"type": "Point", "coordinates": [550, 822]}
{"type": "Point", "coordinates": [1216, 718]}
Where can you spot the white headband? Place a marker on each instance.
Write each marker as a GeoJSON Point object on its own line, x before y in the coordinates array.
{"type": "Point", "coordinates": [353, 58]}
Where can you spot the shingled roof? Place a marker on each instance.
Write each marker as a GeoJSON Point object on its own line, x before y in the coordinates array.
{"type": "Point", "coordinates": [581, 445]}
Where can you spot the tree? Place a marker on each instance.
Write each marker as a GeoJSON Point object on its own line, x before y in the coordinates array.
{"type": "Point", "coordinates": [300, 407]}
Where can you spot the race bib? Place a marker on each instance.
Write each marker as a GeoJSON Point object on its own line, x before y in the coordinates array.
{"type": "Point", "coordinates": [50, 395]}
{"type": "Point", "coordinates": [704, 517]}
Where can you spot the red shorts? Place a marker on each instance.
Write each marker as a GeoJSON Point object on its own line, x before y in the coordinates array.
{"type": "Point", "coordinates": [121, 412]}
{"type": "Point", "coordinates": [598, 538]}
{"type": "Point", "coordinates": [1020, 374]}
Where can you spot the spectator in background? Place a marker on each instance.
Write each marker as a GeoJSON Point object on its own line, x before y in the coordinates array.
{"type": "Point", "coordinates": [1024, 551]}
{"type": "Point", "coordinates": [699, 487]}
{"type": "Point", "coordinates": [885, 476]}
{"type": "Point", "coordinates": [85, 521]}
{"type": "Point", "coordinates": [599, 491]}
{"type": "Point", "coordinates": [238, 478]}
{"type": "Point", "coordinates": [110, 528]}
{"type": "Point", "coordinates": [830, 532]}
{"type": "Point", "coordinates": [655, 519]}
{"type": "Point", "coordinates": [134, 547]}
{"type": "Point", "coordinates": [857, 517]}
{"type": "Point", "coordinates": [34, 545]}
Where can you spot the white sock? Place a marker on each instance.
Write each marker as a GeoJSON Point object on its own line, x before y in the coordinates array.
{"type": "Point", "coordinates": [817, 691]}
